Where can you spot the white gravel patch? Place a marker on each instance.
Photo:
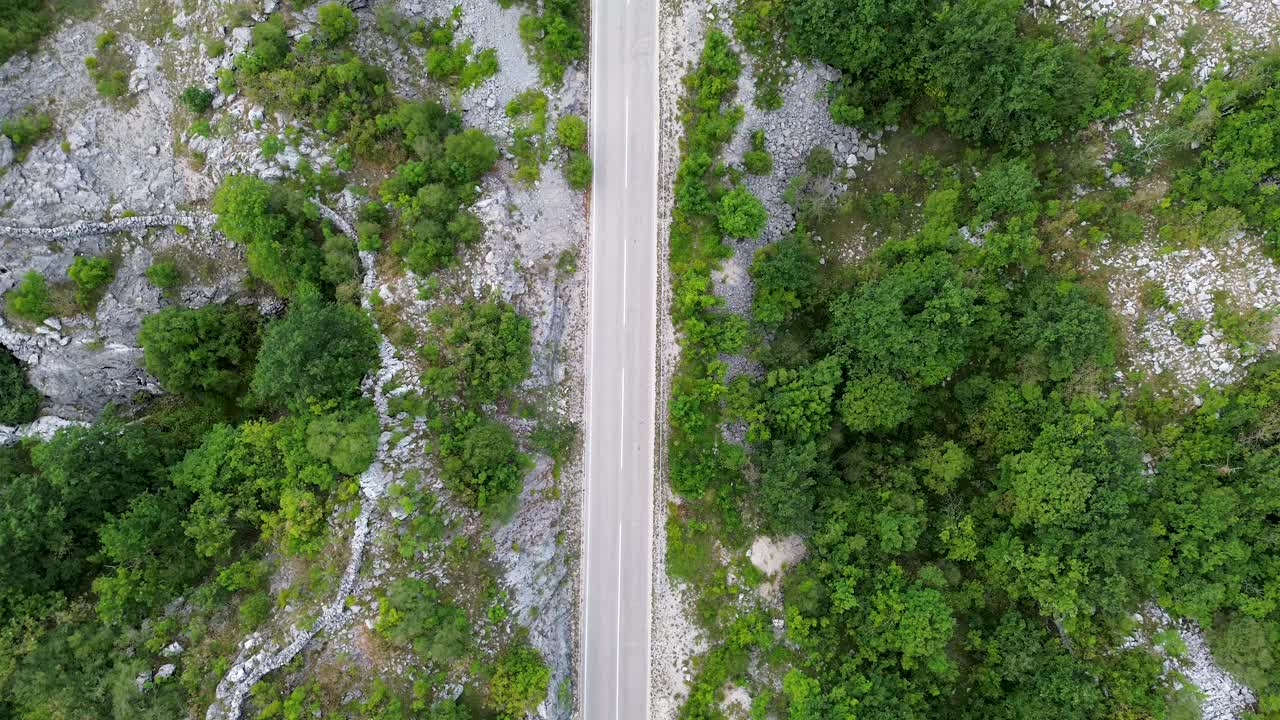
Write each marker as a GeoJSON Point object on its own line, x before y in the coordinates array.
{"type": "Point", "coordinates": [1224, 698]}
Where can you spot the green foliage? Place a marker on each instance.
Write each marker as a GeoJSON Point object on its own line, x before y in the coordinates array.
{"type": "Point", "coordinates": [555, 38]}
{"type": "Point", "coordinates": [819, 162]}
{"type": "Point", "coordinates": [256, 478]}
{"type": "Point", "coordinates": [164, 274]}
{"type": "Point", "coordinates": [268, 47]}
{"type": "Point", "coordinates": [30, 298]}
{"type": "Point", "coordinates": [761, 27]}
{"type": "Point", "coordinates": [578, 170]}
{"type": "Point", "coordinates": [456, 63]}
{"type": "Point", "coordinates": [432, 193]}
{"type": "Point", "coordinates": [319, 351]}
{"type": "Point", "coordinates": [481, 350]}
{"type": "Point", "coordinates": [90, 275]}
{"type": "Point", "coordinates": [757, 160]}
{"type": "Point", "coordinates": [51, 513]}
{"type": "Point", "coordinates": [1006, 188]}
{"type": "Point", "coordinates": [530, 145]}
{"type": "Point", "coordinates": [336, 23]}
{"type": "Point", "coordinates": [971, 66]}
{"type": "Point", "coordinates": [784, 273]}
{"type": "Point", "coordinates": [479, 461]}
{"type": "Point", "coordinates": [19, 402]}
{"type": "Point", "coordinates": [1233, 121]}
{"type": "Point", "coordinates": [519, 682]}
{"type": "Point", "coordinates": [197, 99]}
{"type": "Point", "coordinates": [25, 130]}
{"type": "Point", "coordinates": [415, 614]}
{"type": "Point", "coordinates": [286, 246]}
{"type": "Point", "coordinates": [741, 214]}
{"type": "Point", "coordinates": [109, 69]}
{"type": "Point", "coordinates": [207, 353]}
{"type": "Point", "coordinates": [346, 439]}
{"type": "Point", "coordinates": [22, 24]}
{"type": "Point", "coordinates": [571, 132]}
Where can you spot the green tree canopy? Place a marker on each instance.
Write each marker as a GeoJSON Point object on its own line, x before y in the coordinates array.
{"type": "Point", "coordinates": [318, 351]}
{"type": "Point", "coordinates": [203, 353]}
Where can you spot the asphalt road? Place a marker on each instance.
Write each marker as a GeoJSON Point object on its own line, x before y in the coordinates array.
{"type": "Point", "coordinates": [620, 361]}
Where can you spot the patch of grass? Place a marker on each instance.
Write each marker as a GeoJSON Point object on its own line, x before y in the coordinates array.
{"type": "Point", "coordinates": [109, 69]}
{"type": "Point", "coordinates": [1246, 328]}
{"type": "Point", "coordinates": [456, 62]}
{"type": "Point", "coordinates": [760, 25]}
{"type": "Point", "coordinates": [528, 111]}
{"type": "Point", "coordinates": [1189, 331]}
{"type": "Point", "coordinates": [25, 130]}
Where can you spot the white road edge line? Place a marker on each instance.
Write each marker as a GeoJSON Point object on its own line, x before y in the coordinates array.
{"type": "Point", "coordinates": [591, 324]}
{"type": "Point", "coordinates": [653, 353]}
{"type": "Point", "coordinates": [617, 639]}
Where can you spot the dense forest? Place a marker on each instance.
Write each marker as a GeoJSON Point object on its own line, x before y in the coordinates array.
{"type": "Point", "coordinates": [985, 500]}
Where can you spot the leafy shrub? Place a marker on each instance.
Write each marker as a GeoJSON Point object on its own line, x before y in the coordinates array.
{"type": "Point", "coordinates": [530, 147]}
{"type": "Point", "coordinates": [90, 276]}
{"type": "Point", "coordinates": [30, 298]}
{"type": "Point", "coordinates": [271, 146]}
{"type": "Point", "coordinates": [414, 613]}
{"type": "Point", "coordinates": [519, 682]}
{"type": "Point", "coordinates": [1233, 121]}
{"type": "Point", "coordinates": [286, 245]}
{"type": "Point", "coordinates": [1005, 188]}
{"type": "Point", "coordinates": [22, 24]}
{"type": "Point", "coordinates": [741, 214]}
{"type": "Point", "coordinates": [783, 273]}
{"type": "Point", "coordinates": [555, 38]}
{"type": "Point", "coordinates": [482, 349]}
{"type": "Point", "coordinates": [268, 47]}
{"type": "Point", "coordinates": [19, 402]}
{"type": "Point", "coordinates": [757, 160]}
{"type": "Point", "coordinates": [336, 23]}
{"type": "Point", "coordinates": [164, 274]}
{"type": "Point", "coordinates": [109, 69]}
{"type": "Point", "coordinates": [578, 170]}
{"type": "Point", "coordinates": [819, 162]}
{"type": "Point", "coordinates": [457, 62]}
{"type": "Point", "coordinates": [203, 353]}
{"type": "Point", "coordinates": [25, 131]}
{"type": "Point", "coordinates": [78, 478]}
{"type": "Point", "coordinates": [347, 439]}
{"type": "Point", "coordinates": [571, 132]}
{"type": "Point", "coordinates": [479, 461]}
{"type": "Point", "coordinates": [970, 66]}
{"type": "Point", "coordinates": [197, 99]}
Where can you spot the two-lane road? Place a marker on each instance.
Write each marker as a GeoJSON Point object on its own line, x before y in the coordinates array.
{"type": "Point", "coordinates": [620, 361]}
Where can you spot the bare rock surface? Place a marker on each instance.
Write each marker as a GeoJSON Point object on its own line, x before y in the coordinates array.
{"type": "Point", "coordinates": [1224, 697]}
{"type": "Point", "coordinates": [82, 362]}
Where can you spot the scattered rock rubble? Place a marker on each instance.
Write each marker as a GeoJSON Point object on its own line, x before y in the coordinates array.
{"type": "Point", "coordinates": [1190, 278]}
{"type": "Point", "coordinates": [1224, 698]}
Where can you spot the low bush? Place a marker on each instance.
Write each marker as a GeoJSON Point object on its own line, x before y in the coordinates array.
{"type": "Point", "coordinates": [25, 131]}
{"type": "Point", "coordinates": [19, 402]}
{"type": "Point", "coordinates": [197, 99]}
{"type": "Point", "coordinates": [91, 276]}
{"type": "Point", "coordinates": [30, 299]}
